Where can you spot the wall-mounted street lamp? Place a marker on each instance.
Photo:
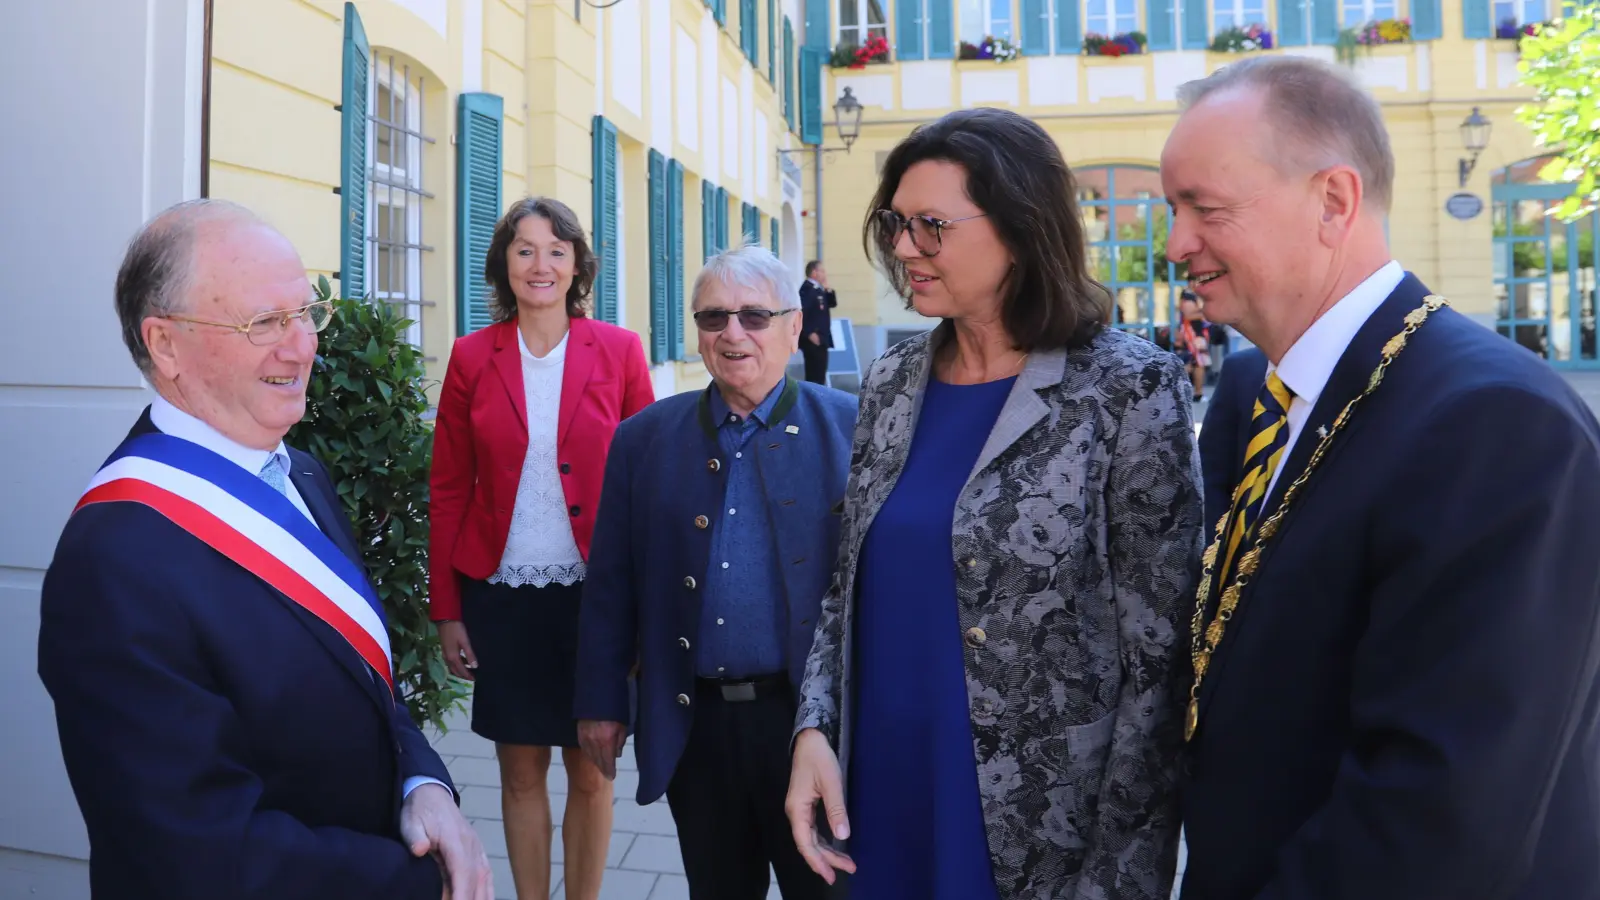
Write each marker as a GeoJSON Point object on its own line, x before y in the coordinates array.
{"type": "Point", "coordinates": [847, 122]}
{"type": "Point", "coordinates": [1474, 137]}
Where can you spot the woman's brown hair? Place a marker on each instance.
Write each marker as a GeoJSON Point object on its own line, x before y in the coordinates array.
{"type": "Point", "coordinates": [1015, 174]}
{"type": "Point", "coordinates": [564, 223]}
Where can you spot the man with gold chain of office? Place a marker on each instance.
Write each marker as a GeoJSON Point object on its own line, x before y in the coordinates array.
{"type": "Point", "coordinates": [1397, 636]}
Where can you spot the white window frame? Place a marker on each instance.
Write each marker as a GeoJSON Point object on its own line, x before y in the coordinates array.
{"type": "Point", "coordinates": [989, 20]}
{"type": "Point", "coordinates": [1521, 10]}
{"type": "Point", "coordinates": [1238, 14]}
{"type": "Point", "coordinates": [1107, 24]}
{"type": "Point", "coordinates": [1369, 11]}
{"type": "Point", "coordinates": [861, 32]}
{"type": "Point", "coordinates": [383, 190]}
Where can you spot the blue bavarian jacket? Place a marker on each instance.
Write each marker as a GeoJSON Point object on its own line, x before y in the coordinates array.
{"type": "Point", "coordinates": [662, 496]}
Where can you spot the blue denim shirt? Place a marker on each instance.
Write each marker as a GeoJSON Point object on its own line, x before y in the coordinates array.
{"type": "Point", "coordinates": [742, 612]}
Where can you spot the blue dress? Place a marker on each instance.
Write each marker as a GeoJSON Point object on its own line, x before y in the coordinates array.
{"type": "Point", "coordinates": [916, 820]}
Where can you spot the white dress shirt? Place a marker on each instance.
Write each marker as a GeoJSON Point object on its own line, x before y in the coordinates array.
{"type": "Point", "coordinates": [1308, 365]}
{"type": "Point", "coordinates": [174, 421]}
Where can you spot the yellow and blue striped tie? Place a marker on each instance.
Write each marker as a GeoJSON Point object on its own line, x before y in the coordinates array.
{"type": "Point", "coordinates": [1269, 436]}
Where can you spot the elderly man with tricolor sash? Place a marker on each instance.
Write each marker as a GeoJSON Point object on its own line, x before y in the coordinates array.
{"type": "Point", "coordinates": [218, 660]}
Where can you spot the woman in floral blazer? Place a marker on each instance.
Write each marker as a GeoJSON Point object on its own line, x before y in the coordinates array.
{"type": "Point", "coordinates": [992, 707]}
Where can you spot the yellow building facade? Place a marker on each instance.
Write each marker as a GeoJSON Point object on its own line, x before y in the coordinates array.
{"type": "Point", "coordinates": [1494, 256]}
{"type": "Point", "coordinates": [385, 137]}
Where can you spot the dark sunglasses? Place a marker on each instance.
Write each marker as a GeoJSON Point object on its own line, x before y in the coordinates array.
{"type": "Point", "coordinates": [757, 319]}
{"type": "Point", "coordinates": [927, 232]}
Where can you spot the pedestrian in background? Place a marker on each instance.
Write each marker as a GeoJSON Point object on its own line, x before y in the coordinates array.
{"type": "Point", "coordinates": [816, 329]}
{"type": "Point", "coordinates": [526, 415]}
{"type": "Point", "coordinates": [992, 708]}
{"type": "Point", "coordinates": [715, 544]}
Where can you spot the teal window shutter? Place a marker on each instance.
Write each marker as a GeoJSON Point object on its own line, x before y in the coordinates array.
{"type": "Point", "coordinates": [708, 218]}
{"type": "Point", "coordinates": [722, 220]}
{"type": "Point", "coordinates": [478, 173]}
{"type": "Point", "coordinates": [1069, 27]}
{"type": "Point", "coordinates": [1196, 30]}
{"type": "Point", "coordinates": [1476, 20]}
{"type": "Point", "coordinates": [1292, 23]}
{"type": "Point", "coordinates": [1427, 20]}
{"type": "Point", "coordinates": [941, 29]}
{"type": "Point", "coordinates": [788, 72]}
{"type": "Point", "coordinates": [748, 41]}
{"type": "Point", "coordinates": [908, 29]}
{"type": "Point", "coordinates": [660, 344]}
{"type": "Point", "coordinates": [1325, 21]}
{"type": "Point", "coordinates": [353, 157]}
{"type": "Point", "coordinates": [772, 42]}
{"type": "Point", "coordinates": [1160, 29]}
{"type": "Point", "coordinates": [816, 22]}
{"type": "Point", "coordinates": [675, 300]}
{"type": "Point", "coordinates": [811, 61]}
{"type": "Point", "coordinates": [1035, 24]}
{"type": "Point", "coordinates": [776, 245]}
{"type": "Point", "coordinates": [606, 240]}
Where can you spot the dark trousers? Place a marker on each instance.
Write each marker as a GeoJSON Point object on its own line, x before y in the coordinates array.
{"type": "Point", "coordinates": [816, 359]}
{"type": "Point", "coordinates": [727, 797]}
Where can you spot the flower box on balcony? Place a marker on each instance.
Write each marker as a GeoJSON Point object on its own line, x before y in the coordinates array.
{"type": "Point", "coordinates": [999, 50]}
{"type": "Point", "coordinates": [849, 56]}
{"type": "Point", "coordinates": [1242, 40]}
{"type": "Point", "coordinates": [1128, 44]}
{"type": "Point", "coordinates": [1373, 34]}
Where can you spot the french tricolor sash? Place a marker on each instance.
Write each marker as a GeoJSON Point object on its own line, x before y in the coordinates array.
{"type": "Point", "coordinates": [246, 520]}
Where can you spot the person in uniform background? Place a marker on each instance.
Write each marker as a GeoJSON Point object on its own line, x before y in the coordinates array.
{"type": "Point", "coordinates": [714, 546]}
{"type": "Point", "coordinates": [816, 329]}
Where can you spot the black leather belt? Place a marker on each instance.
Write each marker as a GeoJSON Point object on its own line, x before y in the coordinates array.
{"type": "Point", "coordinates": [744, 690]}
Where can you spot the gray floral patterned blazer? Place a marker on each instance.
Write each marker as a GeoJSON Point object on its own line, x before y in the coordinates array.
{"type": "Point", "coordinates": [1076, 545]}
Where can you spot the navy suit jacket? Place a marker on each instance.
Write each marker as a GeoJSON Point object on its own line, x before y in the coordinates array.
{"type": "Point", "coordinates": [652, 541]}
{"type": "Point", "coordinates": [1226, 429]}
{"type": "Point", "coordinates": [222, 742]}
{"type": "Point", "coordinates": [1404, 704]}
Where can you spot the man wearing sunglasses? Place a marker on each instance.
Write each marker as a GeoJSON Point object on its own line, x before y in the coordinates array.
{"type": "Point", "coordinates": [219, 663]}
{"type": "Point", "coordinates": [713, 547]}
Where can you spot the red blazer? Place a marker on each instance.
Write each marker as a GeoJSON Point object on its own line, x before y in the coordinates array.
{"type": "Point", "coordinates": [481, 438]}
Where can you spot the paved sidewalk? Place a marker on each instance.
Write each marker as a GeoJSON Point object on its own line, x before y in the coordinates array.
{"type": "Point", "coordinates": [644, 863]}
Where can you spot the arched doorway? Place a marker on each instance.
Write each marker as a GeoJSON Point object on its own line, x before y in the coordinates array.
{"type": "Point", "coordinates": [1125, 221]}
{"type": "Point", "coordinates": [1544, 269]}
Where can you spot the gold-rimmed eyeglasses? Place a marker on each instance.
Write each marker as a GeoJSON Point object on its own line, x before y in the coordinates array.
{"type": "Point", "coordinates": [268, 328]}
{"type": "Point", "coordinates": [927, 232]}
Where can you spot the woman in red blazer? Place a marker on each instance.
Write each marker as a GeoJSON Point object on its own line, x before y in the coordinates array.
{"type": "Point", "coordinates": [526, 415]}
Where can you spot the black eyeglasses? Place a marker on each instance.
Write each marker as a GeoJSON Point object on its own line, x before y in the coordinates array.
{"type": "Point", "coordinates": [753, 319]}
{"type": "Point", "coordinates": [927, 232]}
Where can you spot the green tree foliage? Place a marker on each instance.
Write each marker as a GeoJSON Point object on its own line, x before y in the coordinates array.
{"type": "Point", "coordinates": [1562, 64]}
{"type": "Point", "coordinates": [365, 421]}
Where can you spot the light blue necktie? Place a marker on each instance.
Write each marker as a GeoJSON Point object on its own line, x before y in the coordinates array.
{"type": "Point", "coordinates": [272, 473]}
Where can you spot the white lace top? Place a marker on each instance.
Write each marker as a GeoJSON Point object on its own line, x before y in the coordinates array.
{"type": "Point", "coordinates": [540, 549]}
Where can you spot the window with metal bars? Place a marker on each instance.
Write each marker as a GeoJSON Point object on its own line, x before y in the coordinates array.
{"type": "Point", "coordinates": [396, 143]}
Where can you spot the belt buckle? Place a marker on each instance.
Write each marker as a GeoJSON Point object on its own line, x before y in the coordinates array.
{"type": "Point", "coordinates": [742, 692]}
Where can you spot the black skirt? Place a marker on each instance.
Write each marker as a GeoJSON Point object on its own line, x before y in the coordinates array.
{"type": "Point", "coordinates": [526, 642]}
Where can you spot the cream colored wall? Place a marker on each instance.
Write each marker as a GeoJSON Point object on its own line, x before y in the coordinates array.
{"type": "Point", "coordinates": [1121, 110]}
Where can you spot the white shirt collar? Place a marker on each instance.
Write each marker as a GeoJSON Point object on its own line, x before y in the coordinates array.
{"type": "Point", "coordinates": [174, 421]}
{"type": "Point", "coordinates": [1308, 365]}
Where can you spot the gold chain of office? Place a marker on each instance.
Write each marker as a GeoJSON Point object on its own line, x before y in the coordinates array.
{"type": "Point", "coordinates": [1205, 637]}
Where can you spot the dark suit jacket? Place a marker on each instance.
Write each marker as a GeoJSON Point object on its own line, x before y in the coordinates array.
{"type": "Point", "coordinates": [221, 741]}
{"type": "Point", "coordinates": [651, 549]}
{"type": "Point", "coordinates": [1404, 705]}
{"type": "Point", "coordinates": [1226, 429]}
{"type": "Point", "coordinates": [814, 305]}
